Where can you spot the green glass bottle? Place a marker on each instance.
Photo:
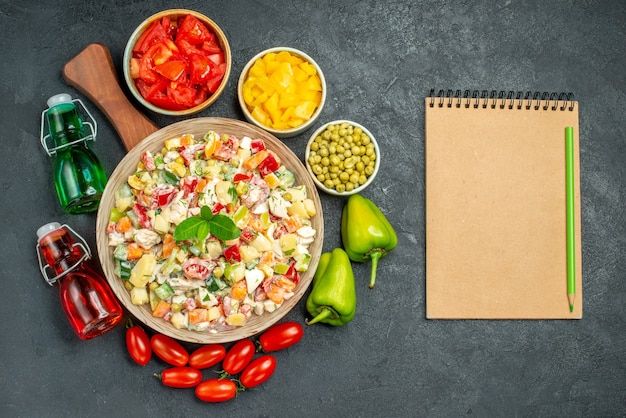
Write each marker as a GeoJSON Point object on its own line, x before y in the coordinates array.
{"type": "Point", "coordinates": [79, 178]}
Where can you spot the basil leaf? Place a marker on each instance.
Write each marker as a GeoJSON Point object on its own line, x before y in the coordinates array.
{"type": "Point", "coordinates": [223, 228]}
{"type": "Point", "coordinates": [203, 230]}
{"type": "Point", "coordinates": [206, 213]}
{"type": "Point", "coordinates": [188, 228]}
{"type": "Point", "coordinates": [170, 177]}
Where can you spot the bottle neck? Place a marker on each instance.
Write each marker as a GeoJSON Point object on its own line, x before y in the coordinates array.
{"type": "Point", "coordinates": [64, 124]}
{"type": "Point", "coordinates": [60, 251]}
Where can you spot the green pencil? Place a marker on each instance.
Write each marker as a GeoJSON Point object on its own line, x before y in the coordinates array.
{"type": "Point", "coordinates": [570, 232]}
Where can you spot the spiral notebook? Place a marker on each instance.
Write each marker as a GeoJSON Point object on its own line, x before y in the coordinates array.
{"type": "Point", "coordinates": [495, 205]}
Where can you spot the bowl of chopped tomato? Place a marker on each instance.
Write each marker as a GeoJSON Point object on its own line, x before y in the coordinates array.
{"type": "Point", "coordinates": [177, 62]}
{"type": "Point", "coordinates": [282, 90]}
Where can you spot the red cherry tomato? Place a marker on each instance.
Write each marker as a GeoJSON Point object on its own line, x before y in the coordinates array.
{"type": "Point", "coordinates": [216, 390]}
{"type": "Point", "coordinates": [169, 350]}
{"type": "Point", "coordinates": [138, 345]}
{"type": "Point", "coordinates": [281, 336]}
{"type": "Point", "coordinates": [238, 356]}
{"type": "Point", "coordinates": [180, 377]}
{"type": "Point", "coordinates": [258, 371]}
{"type": "Point", "coordinates": [207, 356]}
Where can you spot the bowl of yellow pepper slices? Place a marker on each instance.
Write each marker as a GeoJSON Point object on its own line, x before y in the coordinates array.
{"type": "Point", "coordinates": [282, 90]}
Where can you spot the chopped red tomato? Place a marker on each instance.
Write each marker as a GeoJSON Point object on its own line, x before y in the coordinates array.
{"type": "Point", "coordinates": [243, 177]}
{"type": "Point", "coordinates": [257, 145]}
{"type": "Point", "coordinates": [155, 33]}
{"type": "Point", "coordinates": [247, 235]}
{"type": "Point", "coordinates": [172, 70]}
{"type": "Point", "coordinates": [197, 268]}
{"type": "Point", "coordinates": [142, 215]}
{"type": "Point", "coordinates": [218, 208]}
{"type": "Point", "coordinates": [163, 196]}
{"type": "Point", "coordinates": [178, 64]}
{"type": "Point", "coordinates": [232, 254]}
{"type": "Point", "coordinates": [270, 164]}
{"type": "Point", "coordinates": [188, 185]}
{"type": "Point", "coordinates": [194, 31]}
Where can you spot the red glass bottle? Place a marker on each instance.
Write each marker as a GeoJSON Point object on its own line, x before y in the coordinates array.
{"type": "Point", "coordinates": [87, 300]}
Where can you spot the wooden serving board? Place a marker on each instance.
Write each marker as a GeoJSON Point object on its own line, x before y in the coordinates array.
{"type": "Point", "coordinates": [92, 73]}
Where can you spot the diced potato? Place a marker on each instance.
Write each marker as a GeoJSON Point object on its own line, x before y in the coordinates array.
{"type": "Point", "coordinates": [172, 143]}
{"type": "Point", "coordinates": [288, 243]}
{"type": "Point", "coordinates": [261, 243]}
{"type": "Point", "coordinates": [142, 272]}
{"type": "Point", "coordinates": [309, 205]}
{"type": "Point", "coordinates": [298, 209]}
{"type": "Point", "coordinates": [122, 204]}
{"type": "Point", "coordinates": [177, 168]}
{"type": "Point", "coordinates": [221, 192]}
{"type": "Point", "coordinates": [295, 193]}
{"type": "Point", "coordinates": [179, 320]}
{"type": "Point", "coordinates": [214, 313]}
{"type": "Point", "coordinates": [213, 249]}
{"type": "Point", "coordinates": [139, 295]}
{"type": "Point", "coordinates": [236, 319]}
{"type": "Point", "coordinates": [248, 253]}
{"type": "Point", "coordinates": [161, 225]}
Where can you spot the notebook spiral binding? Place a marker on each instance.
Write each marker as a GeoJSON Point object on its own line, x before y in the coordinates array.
{"type": "Point", "coordinates": [503, 99]}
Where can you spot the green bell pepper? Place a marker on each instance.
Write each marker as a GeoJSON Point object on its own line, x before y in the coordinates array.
{"type": "Point", "coordinates": [333, 295]}
{"type": "Point", "coordinates": [366, 233]}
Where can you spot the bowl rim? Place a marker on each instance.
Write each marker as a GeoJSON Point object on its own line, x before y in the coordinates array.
{"type": "Point", "coordinates": [130, 43]}
{"type": "Point", "coordinates": [281, 133]}
{"type": "Point", "coordinates": [319, 184]}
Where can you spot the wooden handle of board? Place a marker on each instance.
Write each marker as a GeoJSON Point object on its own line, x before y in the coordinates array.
{"type": "Point", "coordinates": [92, 72]}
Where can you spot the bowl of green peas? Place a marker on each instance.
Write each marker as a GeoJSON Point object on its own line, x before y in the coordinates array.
{"type": "Point", "coordinates": [343, 157]}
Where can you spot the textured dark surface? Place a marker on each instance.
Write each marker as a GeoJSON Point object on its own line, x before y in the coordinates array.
{"type": "Point", "coordinates": [380, 59]}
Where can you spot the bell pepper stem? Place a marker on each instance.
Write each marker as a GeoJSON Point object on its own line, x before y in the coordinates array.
{"type": "Point", "coordinates": [321, 316]}
{"type": "Point", "coordinates": [374, 256]}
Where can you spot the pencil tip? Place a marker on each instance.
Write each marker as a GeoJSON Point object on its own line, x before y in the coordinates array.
{"type": "Point", "coordinates": [571, 307]}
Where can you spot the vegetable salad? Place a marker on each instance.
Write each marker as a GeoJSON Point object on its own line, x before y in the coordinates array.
{"type": "Point", "coordinates": [210, 231]}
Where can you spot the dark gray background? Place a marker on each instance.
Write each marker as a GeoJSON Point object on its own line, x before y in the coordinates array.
{"type": "Point", "coordinates": [380, 59]}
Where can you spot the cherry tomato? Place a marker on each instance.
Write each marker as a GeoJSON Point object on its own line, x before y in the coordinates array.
{"type": "Point", "coordinates": [207, 356]}
{"type": "Point", "coordinates": [169, 350]}
{"type": "Point", "coordinates": [281, 336]}
{"type": "Point", "coordinates": [181, 377]}
{"type": "Point", "coordinates": [258, 371]}
{"type": "Point", "coordinates": [238, 356]}
{"type": "Point", "coordinates": [216, 390]}
{"type": "Point", "coordinates": [138, 345]}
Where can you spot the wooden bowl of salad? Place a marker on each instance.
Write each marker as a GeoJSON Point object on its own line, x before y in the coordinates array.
{"type": "Point", "coordinates": [210, 230]}
{"type": "Point", "coordinates": [177, 62]}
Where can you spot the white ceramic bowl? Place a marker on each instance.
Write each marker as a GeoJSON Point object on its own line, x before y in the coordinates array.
{"type": "Point", "coordinates": [281, 133]}
{"type": "Point", "coordinates": [321, 185]}
{"type": "Point", "coordinates": [173, 14]}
